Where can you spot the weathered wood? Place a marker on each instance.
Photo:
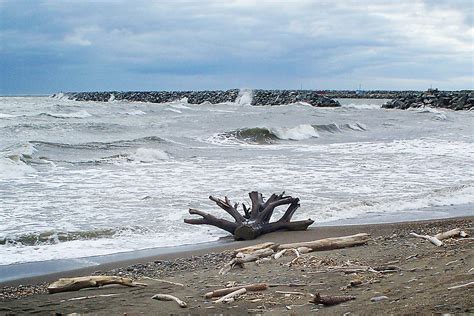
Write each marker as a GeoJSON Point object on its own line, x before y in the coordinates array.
{"type": "Point", "coordinates": [225, 291]}
{"type": "Point", "coordinates": [457, 232]}
{"type": "Point", "coordinates": [256, 220]}
{"type": "Point", "coordinates": [231, 295]}
{"type": "Point", "coordinates": [209, 219]}
{"type": "Point", "coordinates": [328, 243]}
{"type": "Point", "coordinates": [168, 297]}
{"type": "Point", "coordinates": [435, 241]}
{"type": "Point", "coordinates": [253, 248]}
{"type": "Point", "coordinates": [329, 300]}
{"type": "Point", "coordinates": [164, 281]}
{"type": "Point", "coordinates": [75, 284]}
{"type": "Point", "coordinates": [242, 258]}
{"type": "Point", "coordinates": [468, 285]}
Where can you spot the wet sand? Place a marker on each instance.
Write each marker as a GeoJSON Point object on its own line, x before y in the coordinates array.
{"type": "Point", "coordinates": [420, 286]}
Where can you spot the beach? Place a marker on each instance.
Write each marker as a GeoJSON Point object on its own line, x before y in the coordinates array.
{"type": "Point", "coordinates": [420, 284]}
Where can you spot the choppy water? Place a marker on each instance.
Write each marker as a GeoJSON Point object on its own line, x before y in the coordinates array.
{"type": "Point", "coordinates": [82, 178]}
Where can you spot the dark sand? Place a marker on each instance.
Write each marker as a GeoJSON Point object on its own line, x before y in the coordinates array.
{"type": "Point", "coordinates": [421, 286]}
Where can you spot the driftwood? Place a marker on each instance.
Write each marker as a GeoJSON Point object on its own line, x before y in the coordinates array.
{"type": "Point", "coordinates": [225, 291]}
{"type": "Point", "coordinates": [75, 284]}
{"type": "Point", "coordinates": [256, 220]}
{"type": "Point", "coordinates": [328, 243]}
{"type": "Point", "coordinates": [254, 248]}
{"type": "Point", "coordinates": [241, 258]}
{"type": "Point", "coordinates": [435, 241]}
{"type": "Point", "coordinates": [231, 296]}
{"type": "Point", "coordinates": [164, 281]}
{"type": "Point", "coordinates": [457, 232]}
{"type": "Point", "coordinates": [468, 285]}
{"type": "Point", "coordinates": [168, 297]}
{"type": "Point", "coordinates": [329, 300]}
{"type": "Point", "coordinates": [289, 293]}
{"type": "Point", "coordinates": [290, 284]}
{"type": "Point", "coordinates": [88, 297]}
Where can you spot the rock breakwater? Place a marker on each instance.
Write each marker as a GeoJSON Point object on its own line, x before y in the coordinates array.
{"type": "Point", "coordinates": [454, 100]}
{"type": "Point", "coordinates": [278, 97]}
{"type": "Point", "coordinates": [253, 97]}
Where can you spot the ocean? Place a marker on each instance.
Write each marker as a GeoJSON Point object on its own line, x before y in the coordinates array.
{"type": "Point", "coordinates": [83, 179]}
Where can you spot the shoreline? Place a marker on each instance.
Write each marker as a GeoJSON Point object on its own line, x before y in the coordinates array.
{"type": "Point", "coordinates": [101, 263]}
{"type": "Point", "coordinates": [427, 278]}
{"type": "Point", "coordinates": [21, 273]}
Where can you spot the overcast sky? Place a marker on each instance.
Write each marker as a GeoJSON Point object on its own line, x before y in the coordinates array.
{"type": "Point", "coordinates": [52, 46]}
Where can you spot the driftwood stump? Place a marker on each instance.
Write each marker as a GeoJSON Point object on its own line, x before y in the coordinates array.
{"type": "Point", "coordinates": [256, 220]}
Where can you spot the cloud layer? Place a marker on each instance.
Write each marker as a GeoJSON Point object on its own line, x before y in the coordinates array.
{"type": "Point", "coordinates": [50, 46]}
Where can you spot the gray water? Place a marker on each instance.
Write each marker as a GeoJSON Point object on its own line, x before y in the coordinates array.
{"type": "Point", "coordinates": [81, 179]}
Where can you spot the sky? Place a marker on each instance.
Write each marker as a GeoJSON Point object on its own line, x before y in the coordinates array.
{"type": "Point", "coordinates": [113, 45]}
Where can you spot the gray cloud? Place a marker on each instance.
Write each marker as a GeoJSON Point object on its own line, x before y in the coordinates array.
{"type": "Point", "coordinates": [220, 44]}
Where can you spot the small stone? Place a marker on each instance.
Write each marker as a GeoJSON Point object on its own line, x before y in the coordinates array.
{"type": "Point", "coordinates": [378, 298]}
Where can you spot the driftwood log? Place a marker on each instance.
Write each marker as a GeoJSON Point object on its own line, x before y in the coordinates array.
{"type": "Point", "coordinates": [78, 283]}
{"type": "Point", "coordinates": [225, 291]}
{"type": "Point", "coordinates": [328, 243]}
{"type": "Point", "coordinates": [256, 220]}
{"type": "Point", "coordinates": [168, 297]}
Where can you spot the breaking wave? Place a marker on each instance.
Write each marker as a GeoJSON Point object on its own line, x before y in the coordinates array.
{"type": "Point", "coordinates": [103, 145]}
{"type": "Point", "coordinates": [149, 155]}
{"type": "Point", "coordinates": [265, 135]}
{"type": "Point", "coordinates": [56, 236]}
{"type": "Point", "coordinates": [80, 114]}
{"type": "Point", "coordinates": [300, 132]}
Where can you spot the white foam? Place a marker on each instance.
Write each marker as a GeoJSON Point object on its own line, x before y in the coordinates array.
{"type": "Point", "coordinates": [180, 105]}
{"type": "Point", "coordinates": [135, 112]}
{"type": "Point", "coordinates": [244, 97]}
{"type": "Point", "coordinates": [149, 155]}
{"type": "Point", "coordinates": [173, 110]}
{"type": "Point", "coordinates": [362, 106]}
{"type": "Point", "coordinates": [80, 114]}
{"type": "Point", "coordinates": [3, 115]}
{"type": "Point", "coordinates": [356, 126]}
{"type": "Point", "coordinates": [112, 97]}
{"type": "Point", "coordinates": [14, 168]}
{"type": "Point", "coordinates": [300, 132]}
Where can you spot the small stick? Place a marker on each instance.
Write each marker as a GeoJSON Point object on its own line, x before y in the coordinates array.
{"type": "Point", "coordinates": [289, 292]}
{"type": "Point", "coordinates": [88, 297]}
{"type": "Point", "coordinates": [231, 295]}
{"type": "Point", "coordinates": [279, 254]}
{"type": "Point", "coordinates": [163, 281]}
{"type": "Point", "coordinates": [451, 262]}
{"type": "Point", "coordinates": [288, 284]}
{"type": "Point", "coordinates": [168, 297]}
{"type": "Point", "coordinates": [435, 241]}
{"type": "Point", "coordinates": [468, 285]}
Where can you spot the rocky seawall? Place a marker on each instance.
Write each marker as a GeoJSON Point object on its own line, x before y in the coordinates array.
{"type": "Point", "coordinates": [366, 94]}
{"type": "Point", "coordinates": [454, 100]}
{"type": "Point", "coordinates": [244, 96]}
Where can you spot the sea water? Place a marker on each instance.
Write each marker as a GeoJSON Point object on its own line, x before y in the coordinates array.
{"type": "Point", "coordinates": [80, 179]}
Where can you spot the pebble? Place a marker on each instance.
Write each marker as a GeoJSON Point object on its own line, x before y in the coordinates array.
{"type": "Point", "coordinates": [378, 298]}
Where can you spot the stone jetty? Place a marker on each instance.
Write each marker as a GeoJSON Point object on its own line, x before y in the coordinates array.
{"type": "Point", "coordinates": [247, 96]}
{"type": "Point", "coordinates": [454, 100]}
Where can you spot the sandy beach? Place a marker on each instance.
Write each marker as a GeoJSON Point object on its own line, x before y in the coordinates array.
{"type": "Point", "coordinates": [420, 284]}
